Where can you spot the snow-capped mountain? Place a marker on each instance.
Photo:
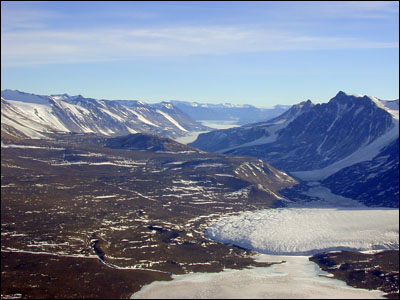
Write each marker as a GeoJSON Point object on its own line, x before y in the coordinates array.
{"type": "Point", "coordinates": [29, 115]}
{"type": "Point", "coordinates": [349, 145]}
{"type": "Point", "coordinates": [240, 114]}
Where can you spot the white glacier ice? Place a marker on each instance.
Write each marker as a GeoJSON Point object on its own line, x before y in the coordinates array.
{"type": "Point", "coordinates": [306, 231]}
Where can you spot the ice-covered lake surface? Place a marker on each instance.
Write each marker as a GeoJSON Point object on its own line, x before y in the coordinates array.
{"type": "Point", "coordinates": [297, 278]}
{"type": "Point", "coordinates": [216, 124]}
{"type": "Point", "coordinates": [220, 124]}
{"type": "Point", "coordinates": [287, 234]}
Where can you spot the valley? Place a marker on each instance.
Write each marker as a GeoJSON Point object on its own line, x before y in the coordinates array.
{"type": "Point", "coordinates": [119, 210]}
{"type": "Point", "coordinates": [199, 150]}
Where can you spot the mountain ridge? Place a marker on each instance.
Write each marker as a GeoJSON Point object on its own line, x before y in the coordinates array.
{"type": "Point", "coordinates": [30, 115]}
{"type": "Point", "coordinates": [314, 142]}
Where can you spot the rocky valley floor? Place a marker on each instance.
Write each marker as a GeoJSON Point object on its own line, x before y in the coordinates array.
{"type": "Point", "coordinates": [75, 211]}
{"type": "Point", "coordinates": [89, 217]}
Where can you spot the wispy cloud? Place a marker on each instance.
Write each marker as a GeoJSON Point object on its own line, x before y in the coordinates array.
{"type": "Point", "coordinates": [31, 34]}
{"type": "Point", "coordinates": [48, 46]}
{"type": "Point", "coordinates": [366, 9]}
{"type": "Point", "coordinates": [25, 16]}
{"type": "Point", "coordinates": [345, 9]}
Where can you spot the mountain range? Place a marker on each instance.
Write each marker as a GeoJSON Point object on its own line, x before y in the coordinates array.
{"type": "Point", "coordinates": [29, 115]}
{"type": "Point", "coordinates": [239, 114]}
{"type": "Point", "coordinates": [349, 145]}
{"type": "Point", "coordinates": [34, 116]}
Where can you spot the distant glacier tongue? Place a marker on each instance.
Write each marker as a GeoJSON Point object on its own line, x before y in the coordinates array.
{"type": "Point", "coordinates": [306, 231]}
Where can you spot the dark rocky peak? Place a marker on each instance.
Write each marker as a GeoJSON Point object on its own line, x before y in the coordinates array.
{"type": "Point", "coordinates": [342, 98]}
{"type": "Point", "coordinates": [341, 94]}
{"type": "Point", "coordinates": [305, 105]}
{"type": "Point", "coordinates": [370, 103]}
{"type": "Point", "coordinates": [302, 106]}
{"type": "Point", "coordinates": [345, 99]}
{"type": "Point", "coordinates": [295, 110]}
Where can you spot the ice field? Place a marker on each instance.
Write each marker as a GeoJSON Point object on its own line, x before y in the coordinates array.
{"type": "Point", "coordinates": [295, 232]}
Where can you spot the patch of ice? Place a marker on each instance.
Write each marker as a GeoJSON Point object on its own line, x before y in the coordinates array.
{"type": "Point", "coordinates": [209, 165]}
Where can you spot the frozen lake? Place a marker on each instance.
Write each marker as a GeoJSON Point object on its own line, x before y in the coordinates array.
{"type": "Point", "coordinates": [216, 124]}
{"type": "Point", "coordinates": [298, 278]}
{"type": "Point", "coordinates": [294, 232]}
{"type": "Point", "coordinates": [220, 124]}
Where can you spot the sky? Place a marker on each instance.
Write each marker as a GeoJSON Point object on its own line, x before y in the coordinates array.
{"type": "Point", "coordinates": [259, 53]}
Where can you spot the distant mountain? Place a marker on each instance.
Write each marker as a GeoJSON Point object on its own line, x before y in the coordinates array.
{"type": "Point", "coordinates": [240, 114]}
{"type": "Point", "coordinates": [29, 115]}
{"type": "Point", "coordinates": [349, 145]}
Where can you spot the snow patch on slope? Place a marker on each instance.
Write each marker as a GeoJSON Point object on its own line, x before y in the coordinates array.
{"type": "Point", "coordinates": [142, 119]}
{"type": "Point", "coordinates": [172, 120]}
{"type": "Point", "coordinates": [31, 131]}
{"type": "Point", "coordinates": [77, 111]}
{"type": "Point", "coordinates": [39, 113]}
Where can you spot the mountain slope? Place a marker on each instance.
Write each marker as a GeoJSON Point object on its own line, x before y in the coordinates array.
{"type": "Point", "coordinates": [370, 180]}
{"type": "Point", "coordinates": [28, 115]}
{"type": "Point", "coordinates": [249, 135]}
{"type": "Point", "coordinates": [314, 142]}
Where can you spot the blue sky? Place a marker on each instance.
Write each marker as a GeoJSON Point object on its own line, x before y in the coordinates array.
{"type": "Point", "coordinates": [260, 53]}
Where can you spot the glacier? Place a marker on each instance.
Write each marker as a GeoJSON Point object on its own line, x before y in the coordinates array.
{"type": "Point", "coordinates": [307, 231]}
